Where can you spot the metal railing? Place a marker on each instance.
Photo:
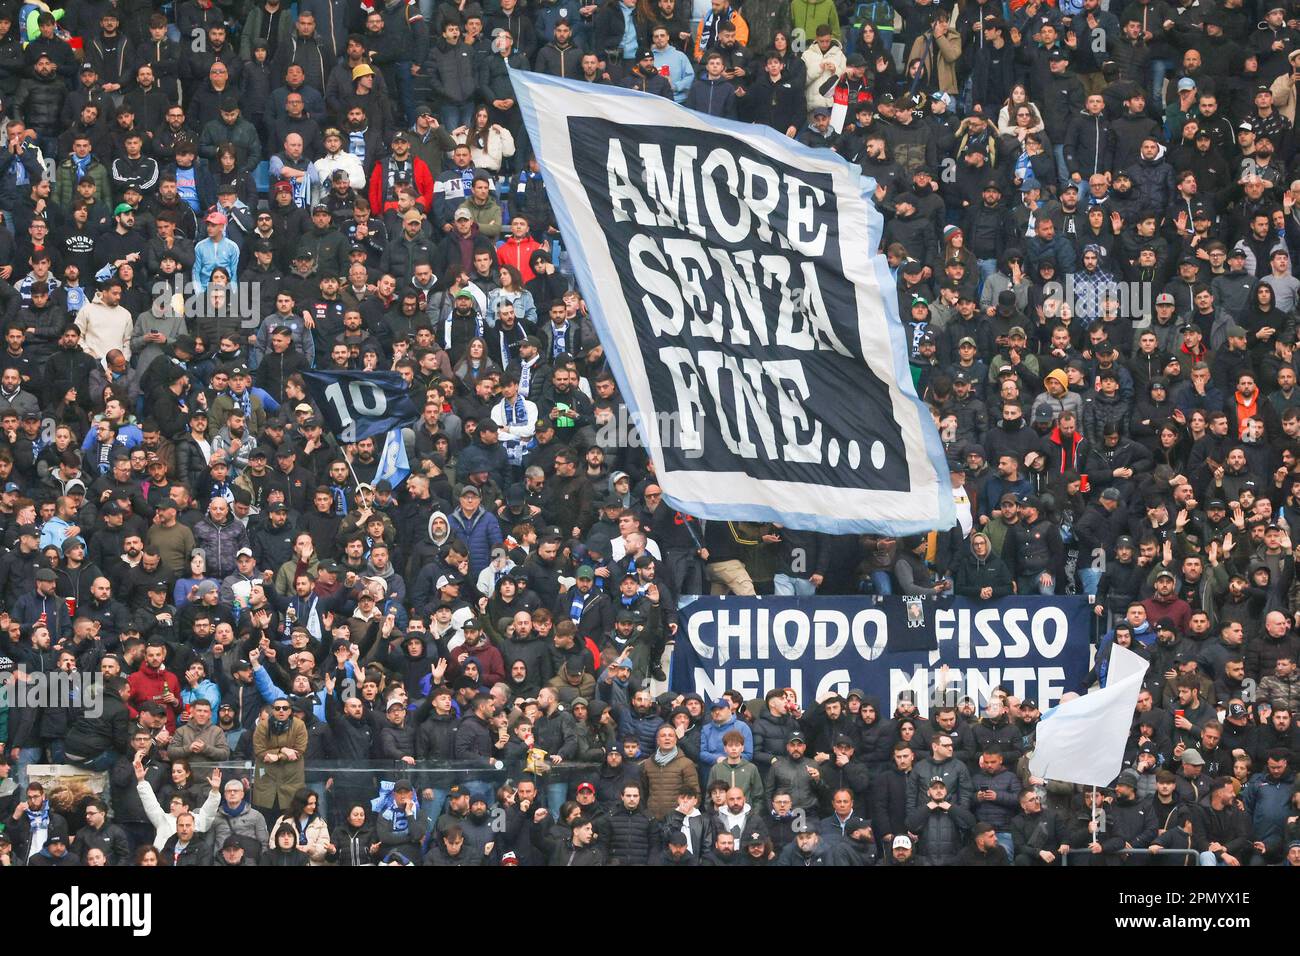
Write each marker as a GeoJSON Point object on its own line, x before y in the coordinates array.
{"type": "Point", "coordinates": [1160, 854]}
{"type": "Point", "coordinates": [423, 773]}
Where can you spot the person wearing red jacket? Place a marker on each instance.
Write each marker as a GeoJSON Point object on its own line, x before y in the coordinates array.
{"type": "Point", "coordinates": [153, 682]}
{"type": "Point", "coordinates": [519, 248]}
{"type": "Point", "coordinates": [400, 168]}
{"type": "Point", "coordinates": [491, 665]}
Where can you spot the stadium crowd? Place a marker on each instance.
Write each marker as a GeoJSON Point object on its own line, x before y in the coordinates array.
{"type": "Point", "coordinates": [1091, 214]}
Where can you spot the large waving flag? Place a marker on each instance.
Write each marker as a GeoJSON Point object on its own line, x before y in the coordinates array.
{"type": "Point", "coordinates": [1083, 740]}
{"type": "Point", "coordinates": [753, 329]}
{"type": "Point", "coordinates": [358, 404]}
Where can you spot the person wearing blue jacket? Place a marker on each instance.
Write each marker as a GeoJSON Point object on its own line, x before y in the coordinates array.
{"type": "Point", "coordinates": [43, 603]}
{"type": "Point", "coordinates": [713, 93]}
{"type": "Point", "coordinates": [479, 530]}
{"type": "Point", "coordinates": [197, 686]}
{"type": "Point", "coordinates": [216, 250]}
{"type": "Point", "coordinates": [711, 749]}
{"type": "Point", "coordinates": [672, 64]}
{"type": "Point", "coordinates": [1267, 798]}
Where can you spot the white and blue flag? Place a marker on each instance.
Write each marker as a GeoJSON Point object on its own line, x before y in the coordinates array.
{"type": "Point", "coordinates": [752, 326]}
{"type": "Point", "coordinates": [393, 463]}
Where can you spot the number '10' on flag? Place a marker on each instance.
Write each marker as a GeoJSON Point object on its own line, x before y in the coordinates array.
{"type": "Point", "coordinates": [358, 405]}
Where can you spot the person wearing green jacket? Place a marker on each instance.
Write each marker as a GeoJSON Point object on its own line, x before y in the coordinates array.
{"type": "Point", "coordinates": [737, 772]}
{"type": "Point", "coordinates": [80, 165]}
{"type": "Point", "coordinates": [808, 15]}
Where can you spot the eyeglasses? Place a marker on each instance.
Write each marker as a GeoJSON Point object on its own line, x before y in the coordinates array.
{"type": "Point", "coordinates": [279, 709]}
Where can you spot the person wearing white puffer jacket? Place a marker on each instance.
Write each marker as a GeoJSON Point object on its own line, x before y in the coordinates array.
{"type": "Point", "coordinates": [823, 59]}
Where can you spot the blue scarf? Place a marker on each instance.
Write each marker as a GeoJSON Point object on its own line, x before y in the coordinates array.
{"type": "Point", "coordinates": [1024, 168]}
{"type": "Point", "coordinates": [505, 358]}
{"type": "Point", "coordinates": [709, 28]}
{"type": "Point", "coordinates": [225, 810]}
{"type": "Point", "coordinates": [385, 807]}
{"type": "Point", "coordinates": [357, 144]}
{"type": "Point", "coordinates": [340, 501]}
{"type": "Point", "coordinates": [578, 604]}
{"type": "Point", "coordinates": [245, 402]}
{"type": "Point", "coordinates": [525, 371]}
{"type": "Point", "coordinates": [559, 339]}
{"type": "Point", "coordinates": [82, 164]}
{"type": "Point", "coordinates": [516, 414]}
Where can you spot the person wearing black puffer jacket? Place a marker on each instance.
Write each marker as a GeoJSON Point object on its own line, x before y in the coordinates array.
{"type": "Point", "coordinates": [940, 823]}
{"type": "Point", "coordinates": [354, 733]}
{"type": "Point", "coordinates": [1040, 835]}
{"type": "Point", "coordinates": [875, 736]}
{"type": "Point", "coordinates": [397, 737]}
{"type": "Point", "coordinates": [944, 720]}
{"type": "Point", "coordinates": [39, 101]}
{"type": "Point", "coordinates": [12, 63]}
{"type": "Point", "coordinates": [844, 771]}
{"type": "Point", "coordinates": [632, 834]}
{"type": "Point", "coordinates": [436, 737]}
{"type": "Point", "coordinates": [354, 839]}
{"type": "Point", "coordinates": [553, 728]}
{"type": "Point", "coordinates": [98, 740]}
{"type": "Point", "coordinates": [771, 729]}
{"type": "Point", "coordinates": [997, 796]}
{"type": "Point", "coordinates": [822, 724]}
{"type": "Point", "coordinates": [995, 732]}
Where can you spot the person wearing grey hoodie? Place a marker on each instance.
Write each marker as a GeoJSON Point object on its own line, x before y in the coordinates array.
{"type": "Point", "coordinates": [980, 574]}
{"type": "Point", "coordinates": [424, 569]}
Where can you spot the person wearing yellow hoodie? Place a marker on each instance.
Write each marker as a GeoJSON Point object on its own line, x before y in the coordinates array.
{"type": "Point", "coordinates": [1057, 396]}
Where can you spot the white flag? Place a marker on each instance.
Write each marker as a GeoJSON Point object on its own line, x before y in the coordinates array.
{"type": "Point", "coordinates": [1082, 741]}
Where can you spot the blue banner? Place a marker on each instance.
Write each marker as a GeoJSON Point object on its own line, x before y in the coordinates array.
{"type": "Point", "coordinates": [358, 405]}
{"type": "Point", "coordinates": [733, 276]}
{"type": "Point", "coordinates": [1037, 647]}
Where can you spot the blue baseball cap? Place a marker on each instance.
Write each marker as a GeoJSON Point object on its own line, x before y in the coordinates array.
{"type": "Point", "coordinates": [720, 703]}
